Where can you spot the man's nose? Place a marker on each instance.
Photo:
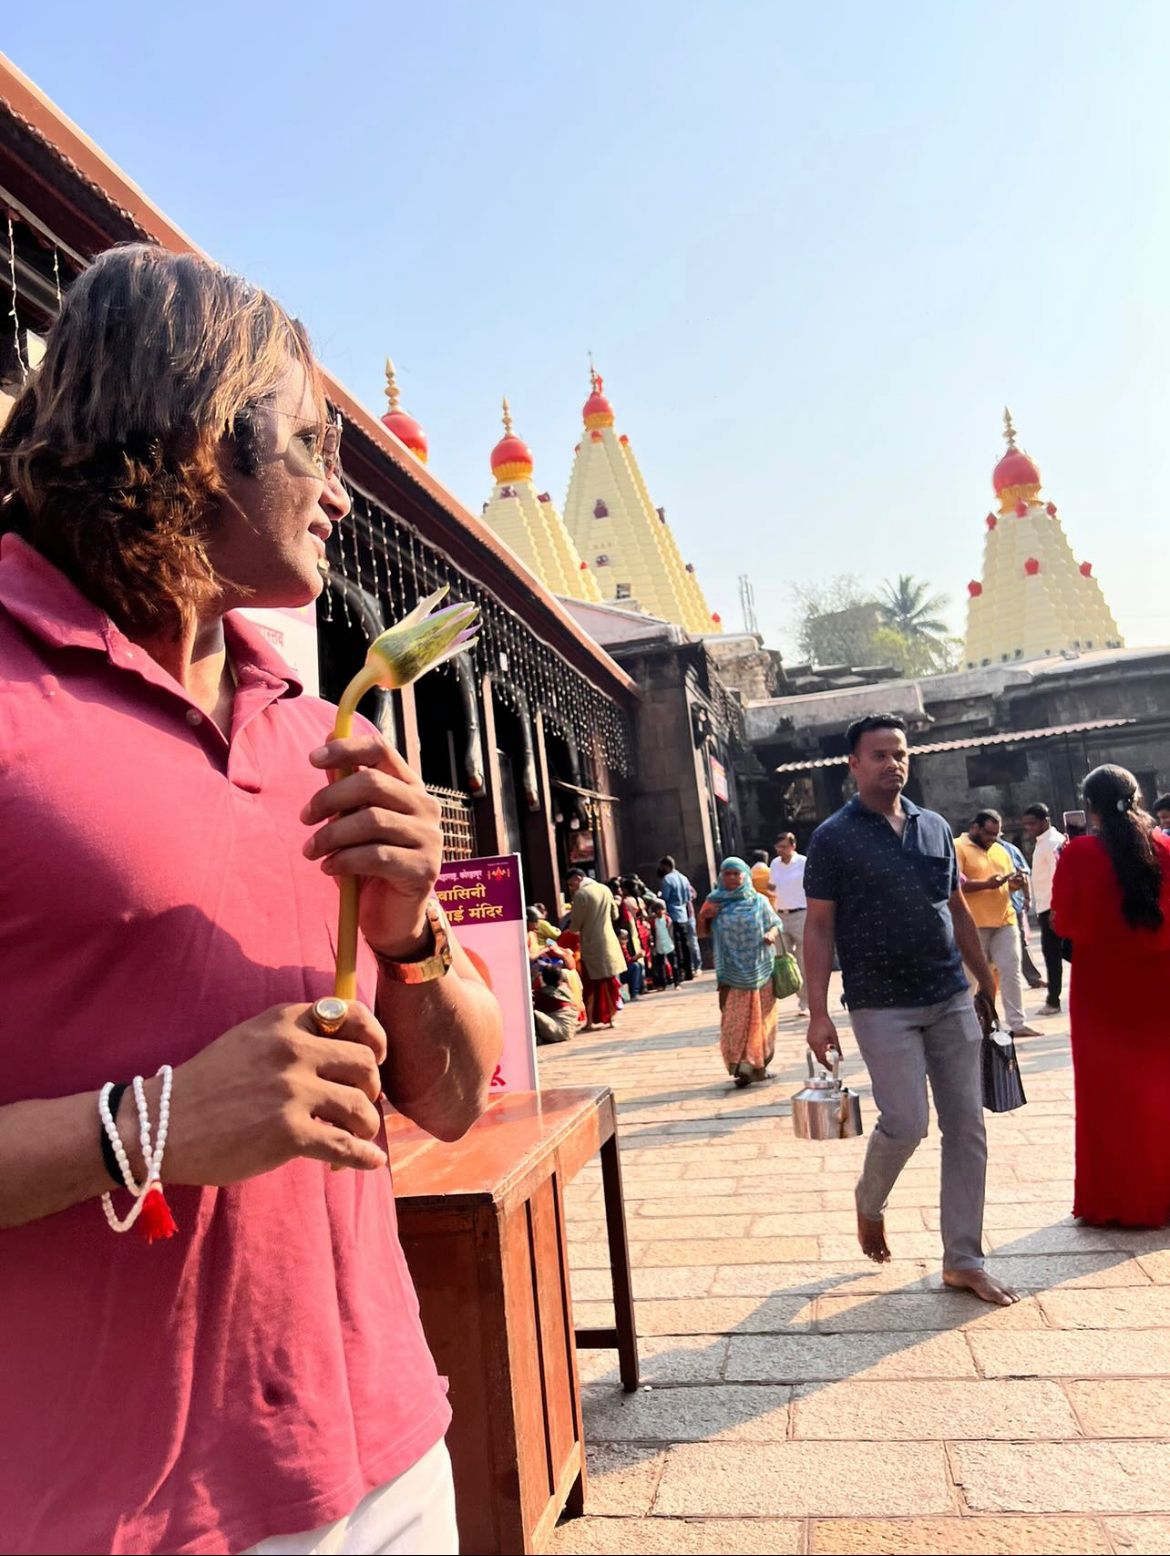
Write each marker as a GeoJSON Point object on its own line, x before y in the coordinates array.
{"type": "Point", "coordinates": [335, 499]}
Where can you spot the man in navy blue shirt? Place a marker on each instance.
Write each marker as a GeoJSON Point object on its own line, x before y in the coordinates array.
{"type": "Point", "coordinates": [882, 881]}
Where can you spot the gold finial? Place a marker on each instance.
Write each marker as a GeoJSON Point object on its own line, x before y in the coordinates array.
{"type": "Point", "coordinates": [507, 418]}
{"type": "Point", "coordinates": [1009, 432]}
{"type": "Point", "coordinates": [391, 385]}
{"type": "Point", "coordinates": [594, 376]}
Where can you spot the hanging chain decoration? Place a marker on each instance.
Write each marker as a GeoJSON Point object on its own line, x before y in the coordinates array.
{"type": "Point", "coordinates": [373, 550]}
{"type": "Point", "coordinates": [57, 275]}
{"type": "Point", "coordinates": [392, 541]}
{"type": "Point", "coordinates": [385, 561]}
{"type": "Point", "coordinates": [342, 570]}
{"type": "Point", "coordinates": [357, 556]}
{"type": "Point", "coordinates": [13, 313]}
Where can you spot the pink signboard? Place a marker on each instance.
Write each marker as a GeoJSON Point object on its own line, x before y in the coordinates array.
{"type": "Point", "coordinates": [484, 902]}
{"type": "Point", "coordinates": [292, 632]}
{"type": "Point", "coordinates": [719, 781]}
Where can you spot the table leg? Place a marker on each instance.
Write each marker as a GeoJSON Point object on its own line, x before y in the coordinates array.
{"type": "Point", "coordinates": [575, 1501]}
{"type": "Point", "coordinates": [619, 1261]}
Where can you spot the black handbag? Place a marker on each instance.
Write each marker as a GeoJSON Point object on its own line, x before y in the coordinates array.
{"type": "Point", "coordinates": [1003, 1086]}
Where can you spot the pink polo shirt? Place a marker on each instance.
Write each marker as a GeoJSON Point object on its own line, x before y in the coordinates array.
{"type": "Point", "coordinates": [264, 1369]}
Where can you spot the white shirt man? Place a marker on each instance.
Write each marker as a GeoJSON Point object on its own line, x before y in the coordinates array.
{"type": "Point", "coordinates": [1046, 845]}
{"type": "Point", "coordinates": [1044, 855]}
{"type": "Point", "coordinates": [787, 876]}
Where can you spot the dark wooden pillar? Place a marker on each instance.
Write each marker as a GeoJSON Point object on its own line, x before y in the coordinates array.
{"type": "Point", "coordinates": [490, 831]}
{"type": "Point", "coordinates": [539, 834]}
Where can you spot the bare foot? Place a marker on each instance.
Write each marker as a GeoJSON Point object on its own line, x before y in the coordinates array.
{"type": "Point", "coordinates": [982, 1285]}
{"type": "Point", "coordinates": [872, 1237]}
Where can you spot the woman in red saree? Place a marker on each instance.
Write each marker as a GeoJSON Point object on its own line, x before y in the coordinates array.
{"type": "Point", "coordinates": [1111, 899]}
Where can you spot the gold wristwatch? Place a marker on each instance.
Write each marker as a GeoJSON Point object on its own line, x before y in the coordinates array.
{"type": "Point", "coordinates": [435, 963]}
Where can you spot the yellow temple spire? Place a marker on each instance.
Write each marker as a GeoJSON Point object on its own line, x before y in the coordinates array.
{"type": "Point", "coordinates": [392, 394]}
{"type": "Point", "coordinates": [529, 523]}
{"type": "Point", "coordinates": [1033, 599]}
{"type": "Point", "coordinates": [622, 536]}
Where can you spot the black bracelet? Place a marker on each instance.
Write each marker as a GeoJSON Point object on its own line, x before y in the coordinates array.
{"type": "Point", "coordinates": [108, 1158]}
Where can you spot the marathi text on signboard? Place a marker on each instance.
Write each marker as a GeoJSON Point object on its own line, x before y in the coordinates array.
{"type": "Point", "coordinates": [484, 903]}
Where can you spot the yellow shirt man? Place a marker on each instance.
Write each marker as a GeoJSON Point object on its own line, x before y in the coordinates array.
{"type": "Point", "coordinates": [987, 874]}
{"type": "Point", "coordinates": [762, 881]}
{"type": "Point", "coordinates": [991, 908]}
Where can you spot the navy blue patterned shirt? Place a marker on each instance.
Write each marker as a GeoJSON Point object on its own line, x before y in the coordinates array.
{"type": "Point", "coordinates": [895, 938]}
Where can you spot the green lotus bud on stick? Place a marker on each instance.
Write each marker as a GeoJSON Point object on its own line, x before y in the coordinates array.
{"type": "Point", "coordinates": [396, 658]}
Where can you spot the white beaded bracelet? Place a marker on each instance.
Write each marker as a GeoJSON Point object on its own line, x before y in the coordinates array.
{"type": "Point", "coordinates": [115, 1139]}
{"type": "Point", "coordinates": [149, 1193]}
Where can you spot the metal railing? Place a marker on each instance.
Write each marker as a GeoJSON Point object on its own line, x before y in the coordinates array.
{"type": "Point", "coordinates": [458, 822]}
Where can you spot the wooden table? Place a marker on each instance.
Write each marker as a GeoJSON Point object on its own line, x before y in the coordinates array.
{"type": "Point", "coordinates": [483, 1228]}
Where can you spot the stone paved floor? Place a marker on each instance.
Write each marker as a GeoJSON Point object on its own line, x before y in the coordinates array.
{"type": "Point", "coordinates": [795, 1398]}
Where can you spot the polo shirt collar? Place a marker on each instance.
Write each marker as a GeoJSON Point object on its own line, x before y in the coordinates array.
{"type": "Point", "coordinates": [859, 808]}
{"type": "Point", "coordinates": [53, 609]}
{"type": "Point", "coordinates": [42, 599]}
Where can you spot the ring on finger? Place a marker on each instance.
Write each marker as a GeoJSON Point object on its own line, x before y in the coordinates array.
{"type": "Point", "coordinates": [328, 1015]}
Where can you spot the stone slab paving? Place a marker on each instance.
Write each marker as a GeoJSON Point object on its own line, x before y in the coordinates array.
{"type": "Point", "coordinates": [796, 1399]}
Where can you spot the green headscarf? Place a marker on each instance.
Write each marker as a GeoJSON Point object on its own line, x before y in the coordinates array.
{"type": "Point", "coordinates": [743, 893]}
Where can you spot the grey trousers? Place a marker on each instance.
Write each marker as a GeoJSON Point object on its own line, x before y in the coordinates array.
{"type": "Point", "coordinates": [1001, 947]}
{"type": "Point", "coordinates": [901, 1048]}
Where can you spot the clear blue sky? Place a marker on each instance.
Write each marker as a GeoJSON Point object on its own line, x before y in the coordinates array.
{"type": "Point", "coordinates": [813, 249]}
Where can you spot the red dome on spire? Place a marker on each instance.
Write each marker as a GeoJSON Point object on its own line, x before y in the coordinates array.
{"type": "Point", "coordinates": [508, 454]}
{"type": "Point", "coordinates": [597, 411]}
{"type": "Point", "coordinates": [408, 431]}
{"type": "Point", "coordinates": [1015, 470]}
{"type": "Point", "coordinates": [511, 457]}
{"type": "Point", "coordinates": [404, 427]}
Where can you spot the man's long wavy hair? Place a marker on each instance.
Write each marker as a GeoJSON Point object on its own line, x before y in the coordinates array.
{"type": "Point", "coordinates": [112, 460]}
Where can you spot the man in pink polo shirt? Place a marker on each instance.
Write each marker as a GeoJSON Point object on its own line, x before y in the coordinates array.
{"type": "Point", "coordinates": [169, 825]}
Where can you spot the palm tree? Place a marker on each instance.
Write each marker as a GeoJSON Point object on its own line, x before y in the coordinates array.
{"type": "Point", "coordinates": [909, 609]}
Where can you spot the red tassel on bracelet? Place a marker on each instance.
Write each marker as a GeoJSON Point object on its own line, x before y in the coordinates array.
{"type": "Point", "coordinates": [156, 1221]}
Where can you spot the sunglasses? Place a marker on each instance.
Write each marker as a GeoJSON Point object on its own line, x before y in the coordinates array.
{"type": "Point", "coordinates": [321, 446]}
{"type": "Point", "coordinates": [327, 457]}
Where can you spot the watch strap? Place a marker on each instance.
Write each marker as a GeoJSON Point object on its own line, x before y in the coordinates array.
{"type": "Point", "coordinates": [433, 964]}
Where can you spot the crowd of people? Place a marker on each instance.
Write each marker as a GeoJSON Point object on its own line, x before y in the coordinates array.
{"type": "Point", "coordinates": [619, 940]}
{"type": "Point", "coordinates": [930, 933]}
{"type": "Point", "coordinates": [613, 943]}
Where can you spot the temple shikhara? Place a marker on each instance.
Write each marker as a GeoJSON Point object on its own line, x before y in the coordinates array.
{"type": "Point", "coordinates": [1034, 600]}
{"type": "Point", "coordinates": [623, 538]}
{"type": "Point", "coordinates": [528, 521]}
